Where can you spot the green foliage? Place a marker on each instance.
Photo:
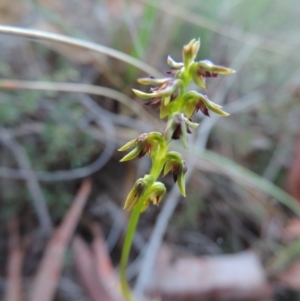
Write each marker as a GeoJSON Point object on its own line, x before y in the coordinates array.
{"type": "Point", "coordinates": [8, 113]}
{"type": "Point", "coordinates": [64, 142]}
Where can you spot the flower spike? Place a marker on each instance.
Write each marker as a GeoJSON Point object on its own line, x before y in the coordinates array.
{"type": "Point", "coordinates": [169, 95]}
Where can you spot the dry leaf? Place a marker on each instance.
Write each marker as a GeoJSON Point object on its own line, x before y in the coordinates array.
{"type": "Point", "coordinates": [87, 270]}
{"type": "Point", "coordinates": [292, 230]}
{"type": "Point", "coordinates": [45, 282]}
{"type": "Point", "coordinates": [225, 277]}
{"type": "Point", "coordinates": [15, 262]}
{"type": "Point", "coordinates": [291, 277]}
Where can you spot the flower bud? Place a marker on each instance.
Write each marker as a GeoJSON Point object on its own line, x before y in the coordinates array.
{"type": "Point", "coordinates": [190, 52]}
{"type": "Point", "coordinates": [139, 188]}
{"type": "Point", "coordinates": [134, 195]}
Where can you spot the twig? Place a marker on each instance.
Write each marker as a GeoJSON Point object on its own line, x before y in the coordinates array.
{"type": "Point", "coordinates": [26, 129]}
{"type": "Point", "coordinates": [46, 280]}
{"type": "Point", "coordinates": [101, 119]}
{"type": "Point", "coordinates": [103, 264]}
{"type": "Point", "coordinates": [33, 186]}
{"type": "Point", "coordinates": [52, 37]}
{"type": "Point", "coordinates": [10, 84]}
{"type": "Point", "coordinates": [96, 287]}
{"type": "Point", "coordinates": [16, 257]}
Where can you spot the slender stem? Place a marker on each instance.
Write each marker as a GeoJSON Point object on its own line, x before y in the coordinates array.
{"type": "Point", "coordinates": [134, 218]}
{"type": "Point", "coordinates": [158, 161]}
{"type": "Point", "coordinates": [157, 165]}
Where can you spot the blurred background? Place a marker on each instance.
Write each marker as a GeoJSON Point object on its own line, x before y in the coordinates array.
{"type": "Point", "coordinates": [64, 112]}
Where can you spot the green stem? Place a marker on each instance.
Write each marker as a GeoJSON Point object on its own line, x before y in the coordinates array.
{"type": "Point", "coordinates": [134, 218]}
{"type": "Point", "coordinates": [157, 165]}
{"type": "Point", "coordinates": [158, 161]}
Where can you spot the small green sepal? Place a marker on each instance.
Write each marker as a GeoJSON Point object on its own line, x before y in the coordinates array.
{"type": "Point", "coordinates": [174, 64]}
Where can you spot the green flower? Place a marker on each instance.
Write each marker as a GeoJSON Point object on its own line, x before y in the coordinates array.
{"type": "Point", "coordinates": [178, 126]}
{"type": "Point", "coordinates": [203, 69]}
{"type": "Point", "coordinates": [134, 195]}
{"type": "Point", "coordinates": [139, 188]}
{"type": "Point", "coordinates": [195, 101]}
{"type": "Point", "coordinates": [176, 164]}
{"type": "Point", "coordinates": [146, 143]}
{"type": "Point", "coordinates": [166, 91]}
{"type": "Point", "coordinates": [176, 67]}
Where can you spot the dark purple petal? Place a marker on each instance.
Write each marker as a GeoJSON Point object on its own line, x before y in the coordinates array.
{"type": "Point", "coordinates": [175, 171]}
{"type": "Point", "coordinates": [203, 108]}
{"type": "Point", "coordinates": [177, 132]}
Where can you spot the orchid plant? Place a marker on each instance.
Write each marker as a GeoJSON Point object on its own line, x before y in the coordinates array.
{"type": "Point", "coordinates": [171, 96]}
